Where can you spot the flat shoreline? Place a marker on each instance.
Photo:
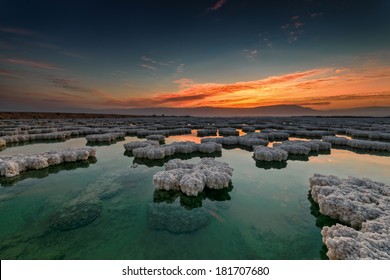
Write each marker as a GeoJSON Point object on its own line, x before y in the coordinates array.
{"type": "Point", "coordinates": [44, 115]}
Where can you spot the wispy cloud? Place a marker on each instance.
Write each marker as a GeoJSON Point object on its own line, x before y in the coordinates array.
{"type": "Point", "coordinates": [8, 74]}
{"type": "Point", "coordinates": [180, 68]}
{"type": "Point", "coordinates": [316, 15]}
{"type": "Point", "coordinates": [17, 31]}
{"type": "Point", "coordinates": [184, 82]}
{"type": "Point", "coordinates": [147, 67]}
{"type": "Point", "coordinates": [250, 54]}
{"type": "Point", "coordinates": [34, 64]}
{"type": "Point", "coordinates": [72, 85]}
{"type": "Point", "coordinates": [218, 5]}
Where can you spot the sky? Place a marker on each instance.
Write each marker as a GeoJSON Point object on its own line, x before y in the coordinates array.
{"type": "Point", "coordinates": [72, 56]}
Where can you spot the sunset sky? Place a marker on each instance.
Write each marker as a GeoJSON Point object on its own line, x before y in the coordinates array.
{"type": "Point", "coordinates": [66, 55]}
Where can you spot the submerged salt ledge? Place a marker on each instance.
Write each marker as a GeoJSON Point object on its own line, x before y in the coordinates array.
{"type": "Point", "coordinates": [12, 165]}
{"type": "Point", "coordinates": [361, 203]}
{"type": "Point", "coordinates": [191, 179]}
{"type": "Point", "coordinates": [357, 144]}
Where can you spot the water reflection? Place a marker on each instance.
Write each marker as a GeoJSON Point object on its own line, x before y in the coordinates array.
{"type": "Point", "coordinates": [361, 151]}
{"type": "Point", "coordinates": [41, 173]}
{"type": "Point", "coordinates": [191, 202]}
{"type": "Point", "coordinates": [321, 221]}
{"type": "Point", "coordinates": [161, 162]}
{"type": "Point", "coordinates": [271, 164]}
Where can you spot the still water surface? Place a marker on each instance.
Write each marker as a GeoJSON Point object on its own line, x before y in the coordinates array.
{"type": "Point", "coordinates": [266, 214]}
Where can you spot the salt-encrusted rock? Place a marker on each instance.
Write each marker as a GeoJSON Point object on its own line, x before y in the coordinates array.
{"type": "Point", "coordinates": [269, 154]}
{"type": "Point", "coordinates": [312, 133]}
{"type": "Point", "coordinates": [294, 148]}
{"type": "Point", "coordinates": [259, 135]}
{"type": "Point", "coordinates": [156, 137]}
{"type": "Point", "coordinates": [160, 152]}
{"type": "Point", "coordinates": [191, 179]}
{"type": "Point", "coordinates": [278, 136]}
{"type": "Point", "coordinates": [12, 165]}
{"type": "Point", "coordinates": [334, 140]}
{"type": "Point", "coordinates": [107, 137]}
{"type": "Point", "coordinates": [139, 144]}
{"type": "Point", "coordinates": [350, 200]}
{"type": "Point", "coordinates": [248, 128]}
{"type": "Point", "coordinates": [371, 242]}
{"type": "Point", "coordinates": [193, 183]}
{"type": "Point", "coordinates": [251, 141]}
{"type": "Point", "coordinates": [178, 163]}
{"type": "Point", "coordinates": [185, 147]}
{"type": "Point", "coordinates": [209, 148]}
{"type": "Point", "coordinates": [207, 132]}
{"type": "Point", "coordinates": [358, 144]}
{"type": "Point", "coordinates": [35, 137]}
{"type": "Point", "coordinates": [2, 144]}
{"type": "Point", "coordinates": [228, 131]}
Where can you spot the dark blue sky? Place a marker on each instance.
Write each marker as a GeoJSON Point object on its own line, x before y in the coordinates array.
{"type": "Point", "coordinates": [136, 53]}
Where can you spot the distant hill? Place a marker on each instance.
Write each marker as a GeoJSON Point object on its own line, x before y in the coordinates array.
{"type": "Point", "coordinates": [261, 111]}
{"type": "Point", "coordinates": [276, 110]}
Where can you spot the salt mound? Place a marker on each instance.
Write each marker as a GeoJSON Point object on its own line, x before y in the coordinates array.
{"type": "Point", "coordinates": [269, 154]}
{"type": "Point", "coordinates": [139, 144]}
{"type": "Point", "coordinates": [358, 144]}
{"type": "Point", "coordinates": [191, 179]}
{"type": "Point", "coordinates": [106, 137]}
{"type": "Point", "coordinates": [371, 242]}
{"type": "Point", "coordinates": [159, 152]}
{"type": "Point", "coordinates": [12, 165]}
{"type": "Point", "coordinates": [361, 203]}
{"type": "Point", "coordinates": [350, 200]}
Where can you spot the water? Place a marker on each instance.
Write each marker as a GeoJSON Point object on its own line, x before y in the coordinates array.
{"type": "Point", "coordinates": [266, 214]}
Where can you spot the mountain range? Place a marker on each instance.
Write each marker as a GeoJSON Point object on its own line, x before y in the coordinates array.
{"type": "Point", "coordinates": [275, 110]}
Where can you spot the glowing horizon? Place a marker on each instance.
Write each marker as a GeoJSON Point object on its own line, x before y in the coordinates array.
{"type": "Point", "coordinates": [227, 57]}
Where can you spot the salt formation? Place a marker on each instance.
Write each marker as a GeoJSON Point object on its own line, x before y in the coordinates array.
{"type": "Point", "coordinates": [12, 165]}
{"type": "Point", "coordinates": [207, 131]}
{"type": "Point", "coordinates": [312, 133]}
{"type": "Point", "coordinates": [248, 128]}
{"type": "Point", "coordinates": [298, 147]}
{"type": "Point", "coordinates": [246, 140]}
{"type": "Point", "coordinates": [139, 144]}
{"type": "Point", "coordinates": [106, 137]}
{"type": "Point", "coordinates": [156, 137]}
{"type": "Point", "coordinates": [371, 242]}
{"type": "Point", "coordinates": [34, 137]}
{"type": "Point", "coordinates": [2, 143]}
{"type": "Point", "coordinates": [358, 144]}
{"type": "Point", "coordinates": [159, 152]}
{"type": "Point", "coordinates": [191, 179]}
{"type": "Point", "coordinates": [228, 131]}
{"type": "Point", "coordinates": [361, 203]}
{"type": "Point", "coordinates": [269, 154]}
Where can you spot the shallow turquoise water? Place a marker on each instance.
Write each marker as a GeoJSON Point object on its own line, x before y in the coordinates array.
{"type": "Point", "coordinates": [265, 215]}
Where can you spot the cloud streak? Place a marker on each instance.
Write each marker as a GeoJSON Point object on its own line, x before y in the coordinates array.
{"type": "Point", "coordinates": [218, 5]}
{"type": "Point", "coordinates": [34, 64]}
